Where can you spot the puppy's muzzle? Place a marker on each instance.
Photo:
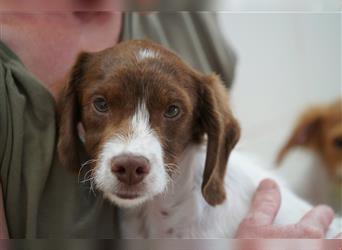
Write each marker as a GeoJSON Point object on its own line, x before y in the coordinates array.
{"type": "Point", "coordinates": [130, 169]}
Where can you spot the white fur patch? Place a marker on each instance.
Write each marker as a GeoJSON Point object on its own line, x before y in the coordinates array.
{"type": "Point", "coordinates": [141, 141]}
{"type": "Point", "coordinates": [189, 216]}
{"type": "Point", "coordinates": [146, 53]}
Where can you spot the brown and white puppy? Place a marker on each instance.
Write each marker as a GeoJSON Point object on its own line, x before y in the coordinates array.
{"type": "Point", "coordinates": [145, 113]}
{"type": "Point", "coordinates": [318, 135]}
{"type": "Point", "coordinates": [319, 129]}
{"type": "Point", "coordinates": [141, 106]}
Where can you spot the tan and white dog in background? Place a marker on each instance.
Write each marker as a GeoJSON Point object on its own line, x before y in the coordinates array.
{"type": "Point", "coordinates": [318, 136]}
{"type": "Point", "coordinates": [145, 115]}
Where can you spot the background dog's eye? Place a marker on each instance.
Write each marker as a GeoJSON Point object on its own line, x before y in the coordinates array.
{"type": "Point", "coordinates": [172, 111]}
{"type": "Point", "coordinates": [100, 104]}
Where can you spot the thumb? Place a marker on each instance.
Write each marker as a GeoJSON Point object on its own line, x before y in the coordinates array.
{"type": "Point", "coordinates": [265, 204]}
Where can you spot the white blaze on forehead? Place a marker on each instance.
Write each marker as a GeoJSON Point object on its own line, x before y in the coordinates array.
{"type": "Point", "coordinates": [140, 141]}
{"type": "Point", "coordinates": [146, 53]}
{"type": "Point", "coordinates": [141, 121]}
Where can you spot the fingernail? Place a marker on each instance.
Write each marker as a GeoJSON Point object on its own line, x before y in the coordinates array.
{"type": "Point", "coordinates": [267, 184]}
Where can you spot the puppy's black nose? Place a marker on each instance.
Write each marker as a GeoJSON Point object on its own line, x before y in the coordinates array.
{"type": "Point", "coordinates": [130, 169]}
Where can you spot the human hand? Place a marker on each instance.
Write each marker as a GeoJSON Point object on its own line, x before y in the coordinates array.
{"type": "Point", "coordinates": [265, 205]}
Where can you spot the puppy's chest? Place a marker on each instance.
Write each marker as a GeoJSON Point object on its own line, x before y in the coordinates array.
{"type": "Point", "coordinates": [161, 220]}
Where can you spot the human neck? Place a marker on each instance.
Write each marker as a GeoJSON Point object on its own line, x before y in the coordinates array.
{"type": "Point", "coordinates": [48, 43]}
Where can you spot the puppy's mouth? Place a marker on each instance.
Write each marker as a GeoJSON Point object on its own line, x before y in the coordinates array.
{"type": "Point", "coordinates": [126, 192]}
{"type": "Point", "coordinates": [127, 196]}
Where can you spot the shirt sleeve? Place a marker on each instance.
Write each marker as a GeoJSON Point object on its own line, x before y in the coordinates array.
{"type": "Point", "coordinates": [27, 141]}
{"type": "Point", "coordinates": [41, 198]}
{"type": "Point", "coordinates": [5, 124]}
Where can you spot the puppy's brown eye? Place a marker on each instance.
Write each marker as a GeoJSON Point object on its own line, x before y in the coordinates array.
{"type": "Point", "coordinates": [100, 104]}
{"type": "Point", "coordinates": [338, 142]}
{"type": "Point", "coordinates": [172, 111]}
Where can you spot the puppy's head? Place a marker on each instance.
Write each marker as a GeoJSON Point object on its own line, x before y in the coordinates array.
{"type": "Point", "coordinates": [320, 129]}
{"type": "Point", "coordinates": [140, 106]}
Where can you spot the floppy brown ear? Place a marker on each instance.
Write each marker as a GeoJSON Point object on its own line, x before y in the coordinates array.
{"type": "Point", "coordinates": [306, 133]}
{"type": "Point", "coordinates": [69, 116]}
{"type": "Point", "coordinates": [223, 132]}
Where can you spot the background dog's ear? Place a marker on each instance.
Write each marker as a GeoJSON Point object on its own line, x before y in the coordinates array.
{"type": "Point", "coordinates": [223, 133]}
{"type": "Point", "coordinates": [306, 133]}
{"type": "Point", "coordinates": [69, 116]}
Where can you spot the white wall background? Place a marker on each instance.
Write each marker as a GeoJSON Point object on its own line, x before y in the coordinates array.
{"type": "Point", "coordinates": [279, 5]}
{"type": "Point", "coordinates": [287, 62]}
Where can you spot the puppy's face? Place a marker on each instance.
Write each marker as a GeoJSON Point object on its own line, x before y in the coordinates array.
{"type": "Point", "coordinates": [140, 106]}
{"type": "Point", "coordinates": [138, 118]}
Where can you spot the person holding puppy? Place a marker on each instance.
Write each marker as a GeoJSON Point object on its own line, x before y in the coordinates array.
{"type": "Point", "coordinates": [40, 198]}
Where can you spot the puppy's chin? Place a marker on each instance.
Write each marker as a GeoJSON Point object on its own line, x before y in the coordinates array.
{"type": "Point", "coordinates": [127, 202]}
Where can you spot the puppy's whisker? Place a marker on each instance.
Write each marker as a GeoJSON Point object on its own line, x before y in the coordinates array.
{"type": "Point", "coordinates": [89, 179]}
{"type": "Point", "coordinates": [88, 173]}
{"type": "Point", "coordinates": [169, 187]}
{"type": "Point", "coordinates": [83, 165]}
{"type": "Point", "coordinates": [91, 189]}
{"type": "Point", "coordinates": [89, 161]}
{"type": "Point", "coordinates": [172, 169]}
{"type": "Point", "coordinates": [173, 172]}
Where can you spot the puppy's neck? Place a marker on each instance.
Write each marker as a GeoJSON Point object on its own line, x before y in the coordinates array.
{"type": "Point", "coordinates": [190, 168]}
{"type": "Point", "coordinates": [165, 213]}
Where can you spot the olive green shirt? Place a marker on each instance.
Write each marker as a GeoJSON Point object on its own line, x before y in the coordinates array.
{"type": "Point", "coordinates": [42, 199]}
